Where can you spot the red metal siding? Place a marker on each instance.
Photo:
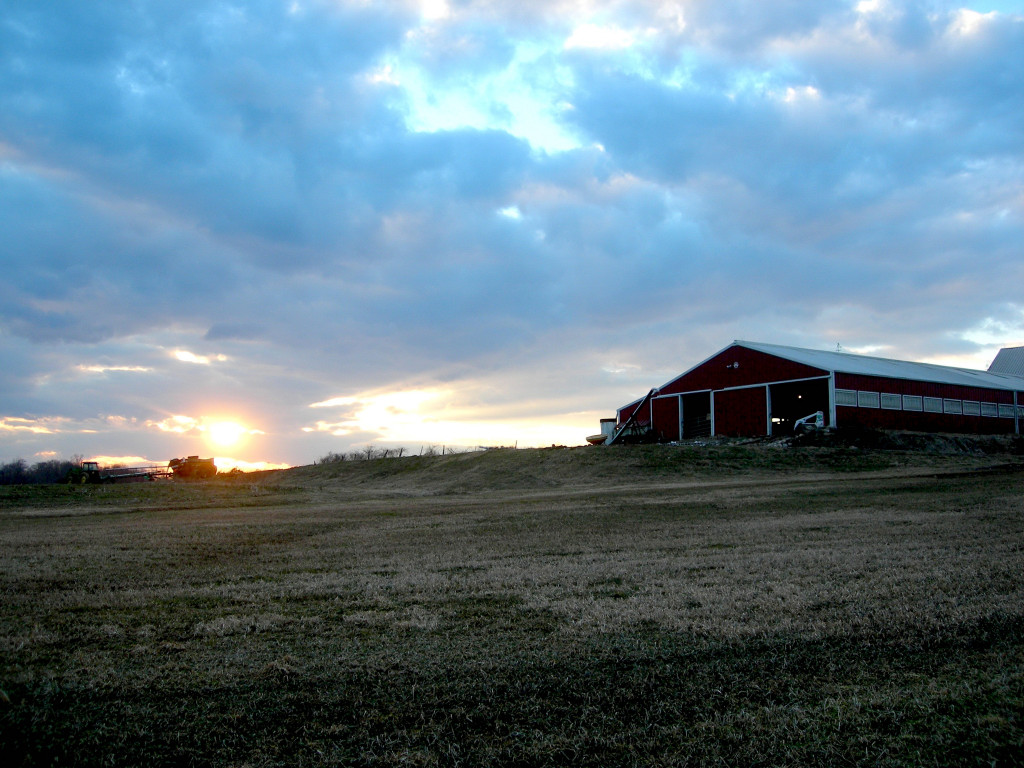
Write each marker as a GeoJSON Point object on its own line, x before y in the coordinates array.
{"type": "Point", "coordinates": [741, 412]}
{"type": "Point", "coordinates": [627, 411]}
{"type": "Point", "coordinates": [918, 421]}
{"type": "Point", "coordinates": [666, 418]}
{"type": "Point", "coordinates": [738, 367]}
{"type": "Point", "coordinates": [922, 421]}
{"type": "Point", "coordinates": [923, 388]}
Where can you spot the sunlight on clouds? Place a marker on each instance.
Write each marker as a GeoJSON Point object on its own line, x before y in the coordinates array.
{"type": "Point", "coordinates": [870, 350]}
{"type": "Point", "coordinates": [383, 75]}
{"type": "Point", "coordinates": [107, 368]}
{"type": "Point", "coordinates": [176, 424]}
{"type": "Point", "coordinates": [225, 433]}
{"type": "Point", "coordinates": [518, 99]}
{"type": "Point", "coordinates": [383, 413]}
{"type": "Point", "coordinates": [594, 36]}
{"type": "Point", "coordinates": [968, 23]}
{"type": "Point", "coordinates": [223, 463]}
{"type": "Point", "coordinates": [126, 461]}
{"type": "Point", "coordinates": [805, 93]}
{"type": "Point", "coordinates": [618, 368]}
{"type": "Point", "coordinates": [15, 424]}
{"type": "Point", "coordinates": [334, 402]}
{"type": "Point", "coordinates": [216, 431]}
{"type": "Point", "coordinates": [62, 425]}
{"type": "Point", "coordinates": [869, 6]}
{"type": "Point", "coordinates": [185, 356]}
{"type": "Point", "coordinates": [432, 416]}
{"type": "Point", "coordinates": [434, 9]}
{"type": "Point", "coordinates": [228, 463]}
{"type": "Point", "coordinates": [978, 361]}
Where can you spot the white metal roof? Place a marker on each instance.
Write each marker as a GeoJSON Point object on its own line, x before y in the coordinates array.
{"type": "Point", "coordinates": [846, 362]}
{"type": "Point", "coordinates": [1009, 360]}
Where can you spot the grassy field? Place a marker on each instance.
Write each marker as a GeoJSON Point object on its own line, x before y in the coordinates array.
{"type": "Point", "coordinates": [656, 606]}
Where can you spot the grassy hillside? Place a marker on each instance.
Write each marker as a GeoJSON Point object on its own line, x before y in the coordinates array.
{"type": "Point", "coordinates": [724, 605]}
{"type": "Point", "coordinates": [518, 470]}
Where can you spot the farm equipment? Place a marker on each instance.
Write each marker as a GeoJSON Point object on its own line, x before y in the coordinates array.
{"type": "Point", "coordinates": [86, 472]}
{"type": "Point", "coordinates": [189, 468]}
{"type": "Point", "coordinates": [90, 473]}
{"type": "Point", "coordinates": [637, 428]}
{"type": "Point", "coordinates": [811, 423]}
{"type": "Point", "coordinates": [192, 468]}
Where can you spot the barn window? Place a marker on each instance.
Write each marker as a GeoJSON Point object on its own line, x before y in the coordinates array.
{"type": "Point", "coordinates": [890, 401]}
{"type": "Point", "coordinates": [912, 403]}
{"type": "Point", "coordinates": [933, 404]}
{"type": "Point", "coordinates": [989, 409]}
{"type": "Point", "coordinates": [846, 397]}
{"type": "Point", "coordinates": [972, 408]}
{"type": "Point", "coordinates": [1020, 411]}
{"type": "Point", "coordinates": [1005, 411]}
{"type": "Point", "coordinates": [867, 399]}
{"type": "Point", "coordinates": [952, 406]}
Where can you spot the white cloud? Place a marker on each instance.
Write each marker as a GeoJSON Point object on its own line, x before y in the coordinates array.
{"type": "Point", "coordinates": [115, 368]}
{"type": "Point", "coordinates": [184, 356]}
{"type": "Point", "coordinates": [968, 23]}
{"type": "Point", "coordinates": [179, 424]}
{"type": "Point", "coordinates": [599, 37]}
{"type": "Point", "coordinates": [35, 426]}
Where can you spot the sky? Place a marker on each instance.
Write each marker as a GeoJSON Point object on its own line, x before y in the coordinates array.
{"type": "Point", "coordinates": [270, 230]}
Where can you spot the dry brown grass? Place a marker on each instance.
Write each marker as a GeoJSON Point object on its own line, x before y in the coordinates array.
{"type": "Point", "coordinates": [592, 607]}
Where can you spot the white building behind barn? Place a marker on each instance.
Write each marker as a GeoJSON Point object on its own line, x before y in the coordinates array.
{"type": "Point", "coordinates": [1009, 360]}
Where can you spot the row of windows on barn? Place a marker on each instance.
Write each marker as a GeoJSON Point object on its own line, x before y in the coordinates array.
{"type": "Point", "coordinates": [862, 399]}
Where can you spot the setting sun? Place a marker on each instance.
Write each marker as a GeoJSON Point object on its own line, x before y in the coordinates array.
{"type": "Point", "coordinates": [226, 433]}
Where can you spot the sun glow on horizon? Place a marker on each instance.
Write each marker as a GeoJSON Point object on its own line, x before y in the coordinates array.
{"type": "Point", "coordinates": [226, 464]}
{"type": "Point", "coordinates": [225, 433]}
{"type": "Point", "coordinates": [435, 417]}
{"type": "Point", "coordinates": [217, 432]}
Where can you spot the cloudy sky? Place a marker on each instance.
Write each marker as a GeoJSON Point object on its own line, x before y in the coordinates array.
{"type": "Point", "coordinates": [270, 229]}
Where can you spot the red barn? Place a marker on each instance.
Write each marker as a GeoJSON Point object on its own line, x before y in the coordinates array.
{"type": "Point", "coordinates": [751, 389]}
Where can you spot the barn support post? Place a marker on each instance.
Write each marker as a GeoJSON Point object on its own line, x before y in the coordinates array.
{"type": "Point", "coordinates": [832, 399]}
{"type": "Point", "coordinates": [712, 398]}
{"type": "Point", "coordinates": [681, 420]}
{"type": "Point", "coordinates": [768, 410]}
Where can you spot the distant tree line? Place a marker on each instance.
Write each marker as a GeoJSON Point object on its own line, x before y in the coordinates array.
{"type": "Point", "coordinates": [370, 452]}
{"type": "Point", "coordinates": [19, 472]}
{"type": "Point", "coordinates": [363, 454]}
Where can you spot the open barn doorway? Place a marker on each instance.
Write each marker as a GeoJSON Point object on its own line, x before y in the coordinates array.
{"type": "Point", "coordinates": [696, 417]}
{"type": "Point", "coordinates": [794, 400]}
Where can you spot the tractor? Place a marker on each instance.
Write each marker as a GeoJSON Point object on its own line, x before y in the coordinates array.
{"type": "Point", "coordinates": [88, 472]}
